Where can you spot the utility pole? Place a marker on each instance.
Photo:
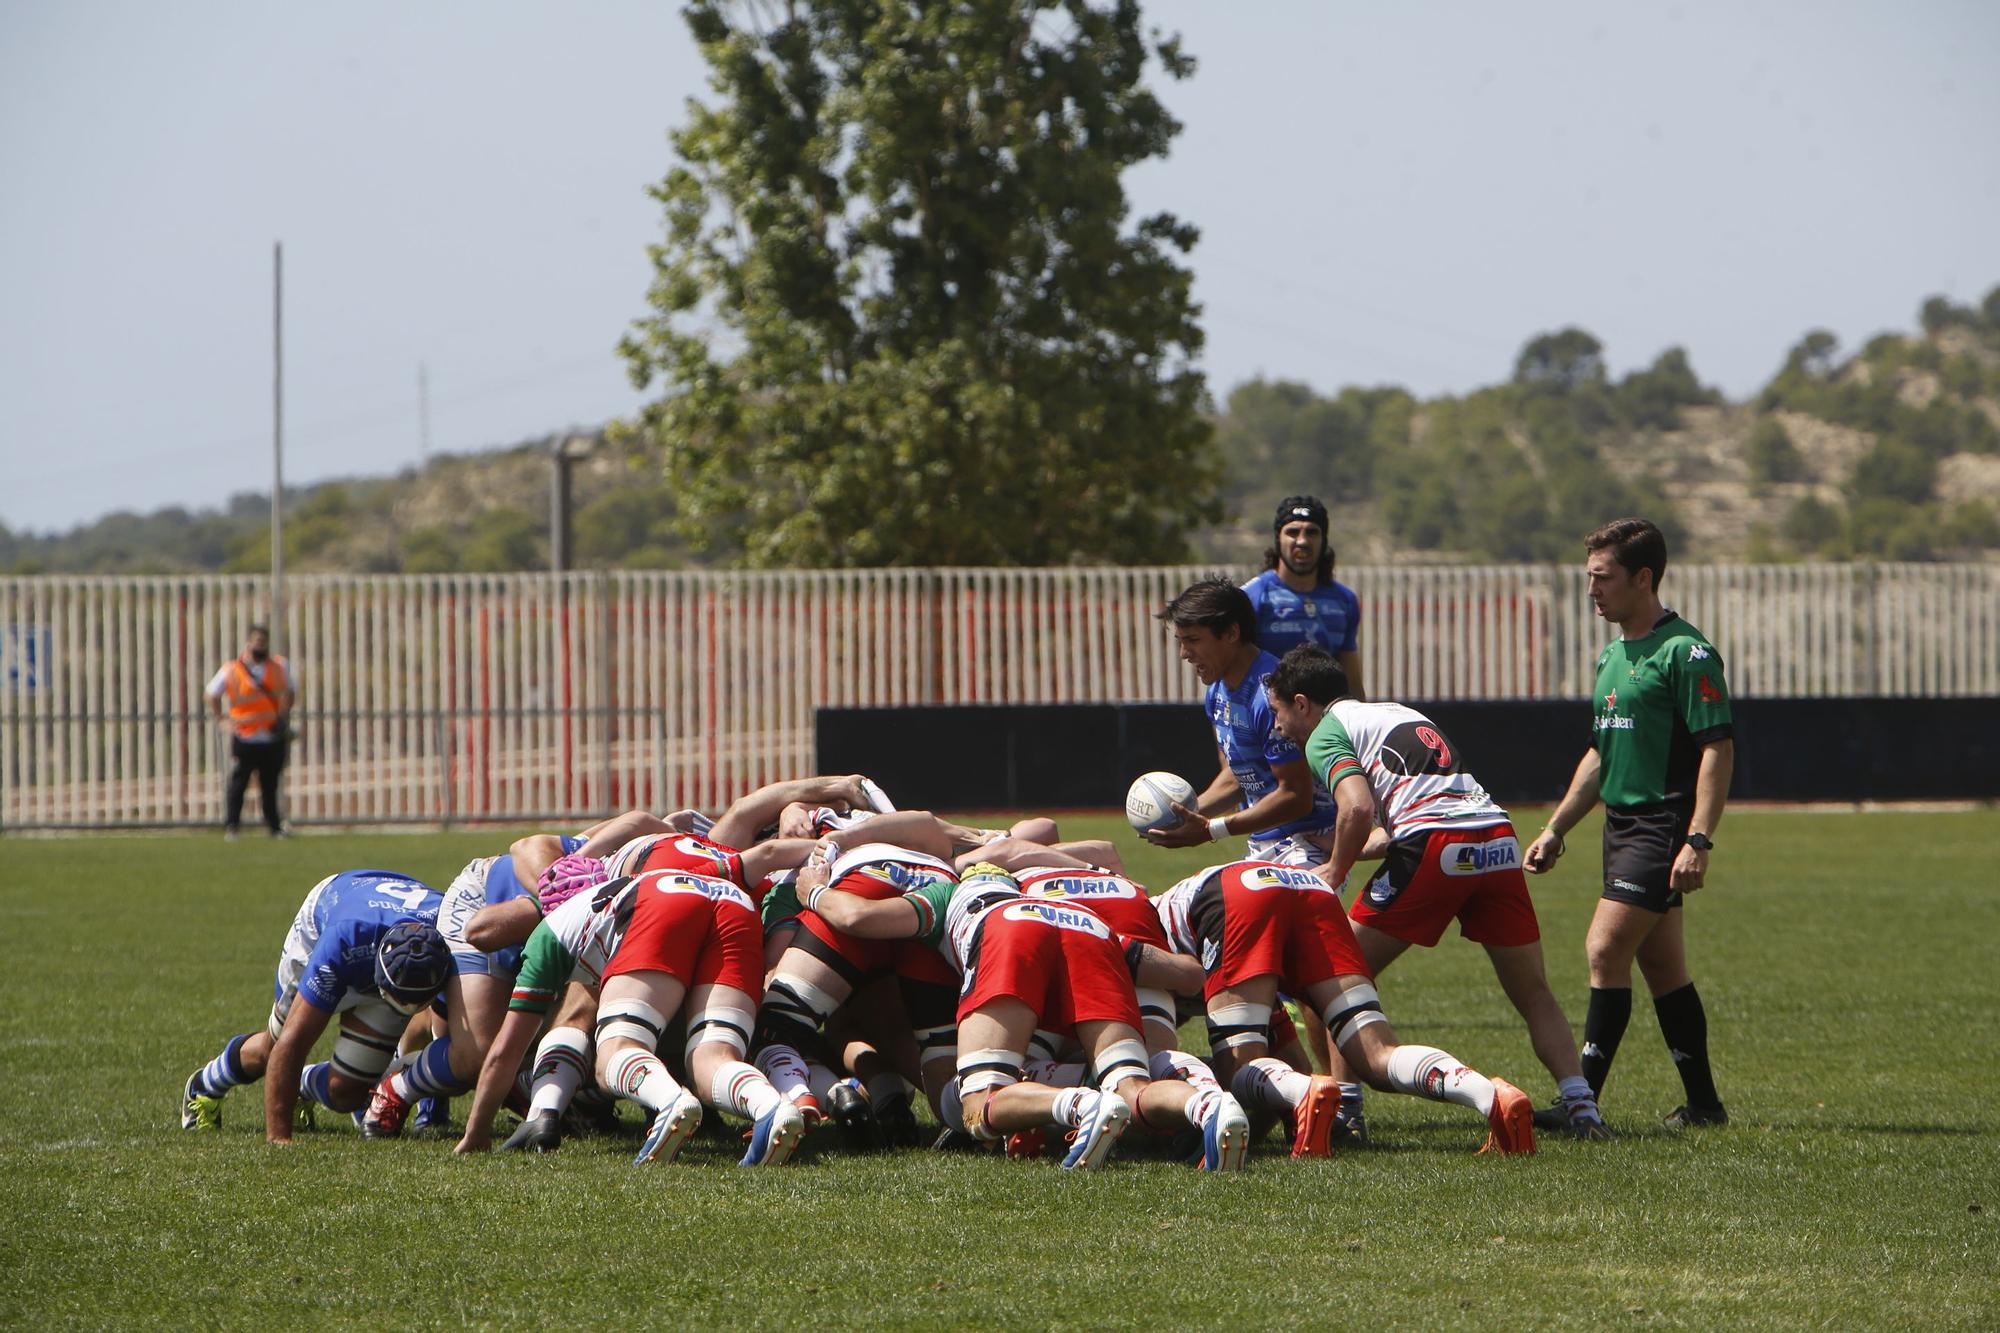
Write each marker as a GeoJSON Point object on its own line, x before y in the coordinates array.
{"type": "Point", "coordinates": [277, 616]}
{"type": "Point", "coordinates": [563, 451]}
{"type": "Point", "coordinates": [424, 408]}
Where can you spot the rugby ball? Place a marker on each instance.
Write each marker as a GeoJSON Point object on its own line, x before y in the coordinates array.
{"type": "Point", "coordinates": [1149, 802]}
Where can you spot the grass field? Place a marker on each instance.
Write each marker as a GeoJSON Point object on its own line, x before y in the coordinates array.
{"type": "Point", "coordinates": [1847, 961]}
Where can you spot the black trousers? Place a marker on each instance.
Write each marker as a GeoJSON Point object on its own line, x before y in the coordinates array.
{"type": "Point", "coordinates": [267, 761]}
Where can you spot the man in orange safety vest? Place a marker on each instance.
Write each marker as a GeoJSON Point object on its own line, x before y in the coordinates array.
{"type": "Point", "coordinates": [252, 696]}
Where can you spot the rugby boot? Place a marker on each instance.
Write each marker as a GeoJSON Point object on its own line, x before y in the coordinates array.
{"type": "Point", "coordinates": [1511, 1121]}
{"type": "Point", "coordinates": [1105, 1115]}
{"type": "Point", "coordinates": [847, 1106]}
{"type": "Point", "coordinates": [1225, 1136]}
{"type": "Point", "coordinates": [538, 1133]}
{"type": "Point", "coordinates": [1692, 1117]}
{"type": "Point", "coordinates": [198, 1111]}
{"type": "Point", "coordinates": [1554, 1116]}
{"type": "Point", "coordinates": [1587, 1123]}
{"type": "Point", "coordinates": [898, 1120]}
{"type": "Point", "coordinates": [304, 1117]}
{"type": "Point", "coordinates": [670, 1130]}
{"type": "Point", "coordinates": [431, 1114]}
{"type": "Point", "coordinates": [386, 1112]}
{"type": "Point", "coordinates": [1027, 1144]}
{"type": "Point", "coordinates": [1350, 1126]}
{"type": "Point", "coordinates": [775, 1137]}
{"type": "Point", "coordinates": [1313, 1118]}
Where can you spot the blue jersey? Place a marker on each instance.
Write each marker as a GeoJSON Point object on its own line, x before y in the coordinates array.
{"type": "Point", "coordinates": [1329, 615]}
{"type": "Point", "coordinates": [351, 915]}
{"type": "Point", "coordinates": [1247, 731]}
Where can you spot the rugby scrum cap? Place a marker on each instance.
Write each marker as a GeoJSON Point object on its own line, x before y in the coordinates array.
{"type": "Point", "coordinates": [412, 963]}
{"type": "Point", "coordinates": [1293, 508]}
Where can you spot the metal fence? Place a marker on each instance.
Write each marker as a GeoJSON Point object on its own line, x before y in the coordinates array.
{"type": "Point", "coordinates": [534, 696]}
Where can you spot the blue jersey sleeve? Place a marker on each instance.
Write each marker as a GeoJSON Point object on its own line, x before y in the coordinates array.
{"type": "Point", "coordinates": [330, 969]}
{"type": "Point", "coordinates": [1350, 640]}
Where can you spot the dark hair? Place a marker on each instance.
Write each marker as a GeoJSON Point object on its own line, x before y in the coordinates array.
{"type": "Point", "coordinates": [1309, 670]}
{"type": "Point", "coordinates": [1215, 603]}
{"type": "Point", "coordinates": [1634, 543]}
{"type": "Point", "coordinates": [1302, 509]}
{"type": "Point", "coordinates": [264, 630]}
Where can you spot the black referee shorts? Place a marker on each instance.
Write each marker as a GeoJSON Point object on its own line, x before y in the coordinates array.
{"type": "Point", "coordinates": [1640, 845]}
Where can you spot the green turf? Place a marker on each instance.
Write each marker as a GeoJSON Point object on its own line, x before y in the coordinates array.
{"type": "Point", "coordinates": [1847, 962]}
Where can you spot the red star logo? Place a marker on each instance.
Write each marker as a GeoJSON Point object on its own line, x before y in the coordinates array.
{"type": "Point", "coordinates": [1611, 699]}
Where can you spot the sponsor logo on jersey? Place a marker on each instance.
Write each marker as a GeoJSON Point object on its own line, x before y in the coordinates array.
{"type": "Point", "coordinates": [1612, 722]}
{"type": "Point", "coordinates": [1709, 693]}
{"type": "Point", "coordinates": [1082, 886]}
{"type": "Point", "coordinates": [1068, 918]}
{"type": "Point", "coordinates": [1285, 609]}
{"type": "Point", "coordinates": [1381, 890]}
{"type": "Point", "coordinates": [1611, 699]}
{"type": "Point", "coordinates": [1697, 653]}
{"type": "Point", "coordinates": [1479, 858]}
{"type": "Point", "coordinates": [1279, 877]}
{"type": "Point", "coordinates": [1211, 954]}
{"type": "Point", "coordinates": [716, 890]}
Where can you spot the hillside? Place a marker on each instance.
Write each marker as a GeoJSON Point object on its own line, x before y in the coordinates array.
{"type": "Point", "coordinates": [1892, 452]}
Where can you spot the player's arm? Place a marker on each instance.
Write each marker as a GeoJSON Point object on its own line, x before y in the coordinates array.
{"type": "Point", "coordinates": [303, 1026]}
{"type": "Point", "coordinates": [749, 815]}
{"type": "Point", "coordinates": [1291, 799]}
{"type": "Point", "coordinates": [496, 1077]}
{"type": "Point", "coordinates": [1575, 804]}
{"type": "Point", "coordinates": [1711, 789]}
{"type": "Point", "coordinates": [1176, 972]}
{"type": "Point", "coordinates": [863, 918]}
{"type": "Point", "coordinates": [503, 925]}
{"type": "Point", "coordinates": [1223, 792]}
{"type": "Point", "coordinates": [534, 853]}
{"type": "Point", "coordinates": [615, 832]}
{"type": "Point", "coordinates": [1353, 826]}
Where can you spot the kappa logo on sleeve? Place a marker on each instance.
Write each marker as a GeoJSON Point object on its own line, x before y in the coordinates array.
{"type": "Point", "coordinates": [1697, 653]}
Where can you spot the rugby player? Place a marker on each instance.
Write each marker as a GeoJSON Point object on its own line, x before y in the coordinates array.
{"type": "Point", "coordinates": [364, 946]}
{"type": "Point", "coordinates": [1257, 928]}
{"type": "Point", "coordinates": [1661, 754]}
{"type": "Point", "coordinates": [1296, 598]}
{"type": "Point", "coordinates": [1450, 850]}
{"type": "Point", "coordinates": [475, 995]}
{"type": "Point", "coordinates": [694, 939]}
{"type": "Point", "coordinates": [1034, 966]}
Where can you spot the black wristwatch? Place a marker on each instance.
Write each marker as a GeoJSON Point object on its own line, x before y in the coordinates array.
{"type": "Point", "coordinates": [1701, 842]}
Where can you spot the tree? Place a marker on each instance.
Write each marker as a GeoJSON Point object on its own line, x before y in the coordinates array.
{"type": "Point", "coordinates": [1655, 396]}
{"type": "Point", "coordinates": [1772, 455]}
{"type": "Point", "coordinates": [945, 344]}
{"type": "Point", "coordinates": [1564, 361]}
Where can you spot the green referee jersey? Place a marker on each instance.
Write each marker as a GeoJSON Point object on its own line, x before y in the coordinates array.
{"type": "Point", "coordinates": [1659, 700]}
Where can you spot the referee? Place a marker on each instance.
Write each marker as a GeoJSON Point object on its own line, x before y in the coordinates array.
{"type": "Point", "coordinates": [1660, 757]}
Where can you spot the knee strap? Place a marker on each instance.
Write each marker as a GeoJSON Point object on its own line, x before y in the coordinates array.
{"type": "Point", "coordinates": [983, 1071]}
{"type": "Point", "coordinates": [1352, 1010]}
{"type": "Point", "coordinates": [1232, 1026]}
{"type": "Point", "coordinates": [1122, 1059]}
{"type": "Point", "coordinates": [362, 1056]}
{"type": "Point", "coordinates": [728, 1023]}
{"type": "Point", "coordinates": [631, 1019]}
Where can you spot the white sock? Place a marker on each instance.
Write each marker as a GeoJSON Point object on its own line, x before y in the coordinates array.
{"type": "Point", "coordinates": [1426, 1071]}
{"type": "Point", "coordinates": [1270, 1083]}
{"type": "Point", "coordinates": [740, 1089]}
{"type": "Point", "coordinates": [785, 1070]}
{"type": "Point", "coordinates": [820, 1080]}
{"type": "Point", "coordinates": [1069, 1106]}
{"type": "Point", "coordinates": [560, 1062]}
{"type": "Point", "coordinates": [1203, 1101]}
{"type": "Point", "coordinates": [1190, 1069]}
{"type": "Point", "coordinates": [637, 1073]}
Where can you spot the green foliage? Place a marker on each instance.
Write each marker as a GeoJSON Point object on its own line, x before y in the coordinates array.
{"type": "Point", "coordinates": [1281, 429]}
{"type": "Point", "coordinates": [1938, 314]}
{"type": "Point", "coordinates": [947, 346]}
{"type": "Point", "coordinates": [1880, 528]}
{"type": "Point", "coordinates": [628, 528]}
{"type": "Point", "coordinates": [1564, 361]}
{"type": "Point", "coordinates": [1970, 526]}
{"type": "Point", "coordinates": [1812, 526]}
{"type": "Point", "coordinates": [1841, 1196]}
{"type": "Point", "coordinates": [1772, 455]}
{"type": "Point", "coordinates": [1654, 396]}
{"type": "Point", "coordinates": [1894, 469]}
{"type": "Point", "coordinates": [506, 539]}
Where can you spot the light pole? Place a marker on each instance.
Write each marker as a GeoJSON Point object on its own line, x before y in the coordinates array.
{"type": "Point", "coordinates": [563, 451]}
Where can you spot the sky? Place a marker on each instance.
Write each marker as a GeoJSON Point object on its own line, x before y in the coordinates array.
{"type": "Point", "coordinates": [1386, 194]}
